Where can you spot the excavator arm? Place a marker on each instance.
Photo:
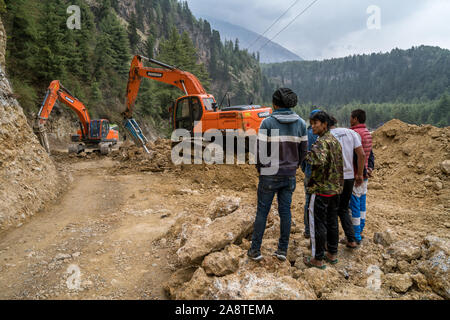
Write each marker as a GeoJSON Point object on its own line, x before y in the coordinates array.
{"type": "Point", "coordinates": [56, 92]}
{"type": "Point", "coordinates": [183, 80]}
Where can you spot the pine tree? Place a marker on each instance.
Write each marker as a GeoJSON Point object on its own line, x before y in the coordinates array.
{"type": "Point", "coordinates": [132, 32]}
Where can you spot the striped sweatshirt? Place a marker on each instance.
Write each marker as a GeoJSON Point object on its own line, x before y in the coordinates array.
{"type": "Point", "coordinates": [288, 130]}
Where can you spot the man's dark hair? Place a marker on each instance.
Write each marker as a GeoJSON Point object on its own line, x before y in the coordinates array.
{"type": "Point", "coordinates": [360, 115]}
{"type": "Point", "coordinates": [284, 98]}
{"type": "Point", "coordinates": [333, 121]}
{"type": "Point", "coordinates": [323, 117]}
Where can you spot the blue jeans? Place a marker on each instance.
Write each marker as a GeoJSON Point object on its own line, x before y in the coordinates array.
{"type": "Point", "coordinates": [268, 186]}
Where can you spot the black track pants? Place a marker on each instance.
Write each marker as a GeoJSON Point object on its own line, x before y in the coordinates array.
{"type": "Point", "coordinates": [323, 224]}
{"type": "Point", "coordinates": [343, 212]}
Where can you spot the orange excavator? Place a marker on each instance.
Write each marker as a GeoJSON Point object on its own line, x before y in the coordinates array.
{"type": "Point", "coordinates": [95, 134]}
{"type": "Point", "coordinates": [196, 111]}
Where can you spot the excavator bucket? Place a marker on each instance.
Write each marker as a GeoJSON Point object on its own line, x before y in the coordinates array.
{"type": "Point", "coordinates": [136, 133]}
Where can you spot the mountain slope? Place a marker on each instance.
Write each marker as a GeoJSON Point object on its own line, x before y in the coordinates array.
{"type": "Point", "coordinates": [418, 73]}
{"type": "Point", "coordinates": [271, 53]}
{"type": "Point", "coordinates": [93, 62]}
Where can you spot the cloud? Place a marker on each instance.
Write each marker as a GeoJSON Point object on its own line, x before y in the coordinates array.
{"type": "Point", "coordinates": [428, 27]}
{"type": "Point", "coordinates": [334, 28]}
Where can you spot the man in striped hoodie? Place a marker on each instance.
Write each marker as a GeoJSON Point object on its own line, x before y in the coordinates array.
{"type": "Point", "coordinates": [284, 133]}
{"type": "Point", "coordinates": [358, 198]}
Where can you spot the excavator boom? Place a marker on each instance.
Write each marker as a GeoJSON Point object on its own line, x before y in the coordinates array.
{"type": "Point", "coordinates": [183, 80]}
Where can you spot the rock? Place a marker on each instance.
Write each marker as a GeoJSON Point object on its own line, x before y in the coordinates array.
{"type": "Point", "coordinates": [385, 238]}
{"type": "Point", "coordinates": [436, 265]}
{"type": "Point", "coordinates": [353, 292]}
{"type": "Point", "coordinates": [62, 256]}
{"type": "Point", "coordinates": [420, 281]}
{"type": "Point", "coordinates": [188, 192]}
{"type": "Point", "coordinates": [223, 262]}
{"type": "Point", "coordinates": [76, 254]}
{"type": "Point", "coordinates": [438, 186]}
{"type": "Point", "coordinates": [389, 265]}
{"type": "Point", "coordinates": [321, 280]}
{"type": "Point", "coordinates": [445, 166]}
{"type": "Point", "coordinates": [375, 186]}
{"type": "Point", "coordinates": [400, 283]}
{"type": "Point", "coordinates": [373, 282]}
{"type": "Point", "coordinates": [248, 285]}
{"type": "Point", "coordinates": [198, 287]}
{"type": "Point", "coordinates": [403, 266]}
{"type": "Point", "coordinates": [245, 245]}
{"type": "Point", "coordinates": [177, 279]}
{"type": "Point", "coordinates": [216, 235]}
{"type": "Point", "coordinates": [402, 250]}
{"type": "Point", "coordinates": [222, 206]}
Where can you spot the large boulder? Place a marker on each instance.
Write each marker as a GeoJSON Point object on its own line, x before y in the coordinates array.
{"type": "Point", "coordinates": [223, 262]}
{"type": "Point", "coordinates": [222, 206]}
{"type": "Point", "coordinates": [216, 235]}
{"type": "Point", "coordinates": [403, 250]}
{"type": "Point", "coordinates": [398, 282]}
{"type": "Point", "coordinates": [246, 285]}
{"type": "Point", "coordinates": [436, 265]}
{"type": "Point", "coordinates": [322, 280]}
{"type": "Point", "coordinates": [385, 238]}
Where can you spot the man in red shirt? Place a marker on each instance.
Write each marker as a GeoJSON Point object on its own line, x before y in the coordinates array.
{"type": "Point", "coordinates": [358, 198]}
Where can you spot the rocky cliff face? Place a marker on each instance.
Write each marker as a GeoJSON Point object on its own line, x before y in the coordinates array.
{"type": "Point", "coordinates": [28, 177]}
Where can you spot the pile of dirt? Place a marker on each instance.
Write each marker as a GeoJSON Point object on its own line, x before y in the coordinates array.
{"type": "Point", "coordinates": [412, 160]}
{"type": "Point", "coordinates": [28, 178]}
{"type": "Point", "coordinates": [134, 159]}
{"type": "Point", "coordinates": [209, 253]}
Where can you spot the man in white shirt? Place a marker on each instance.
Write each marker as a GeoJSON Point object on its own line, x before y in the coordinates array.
{"type": "Point", "coordinates": [350, 142]}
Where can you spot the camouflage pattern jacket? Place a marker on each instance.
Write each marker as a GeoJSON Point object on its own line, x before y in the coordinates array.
{"type": "Point", "coordinates": [325, 158]}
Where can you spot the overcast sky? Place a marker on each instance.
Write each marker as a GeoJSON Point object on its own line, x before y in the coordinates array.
{"type": "Point", "coordinates": [332, 28]}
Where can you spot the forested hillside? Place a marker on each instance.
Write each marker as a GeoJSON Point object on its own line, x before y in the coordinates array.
{"type": "Point", "coordinates": [93, 62]}
{"type": "Point", "coordinates": [405, 84]}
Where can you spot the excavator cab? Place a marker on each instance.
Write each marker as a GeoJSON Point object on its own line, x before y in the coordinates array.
{"type": "Point", "coordinates": [187, 110]}
{"type": "Point", "coordinates": [98, 129]}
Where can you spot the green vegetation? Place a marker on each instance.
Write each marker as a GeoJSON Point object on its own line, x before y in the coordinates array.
{"type": "Point", "coordinates": [410, 85]}
{"type": "Point", "coordinates": [434, 112]}
{"type": "Point", "coordinates": [93, 62]}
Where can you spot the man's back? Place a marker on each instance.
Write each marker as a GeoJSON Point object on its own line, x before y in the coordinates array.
{"type": "Point", "coordinates": [366, 139]}
{"type": "Point", "coordinates": [349, 141]}
{"type": "Point", "coordinates": [291, 133]}
{"type": "Point", "coordinates": [327, 166]}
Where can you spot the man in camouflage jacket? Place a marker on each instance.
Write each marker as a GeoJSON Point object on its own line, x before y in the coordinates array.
{"type": "Point", "coordinates": [325, 185]}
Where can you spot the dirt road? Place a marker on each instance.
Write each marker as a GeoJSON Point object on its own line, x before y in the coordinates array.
{"type": "Point", "coordinates": [95, 242]}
